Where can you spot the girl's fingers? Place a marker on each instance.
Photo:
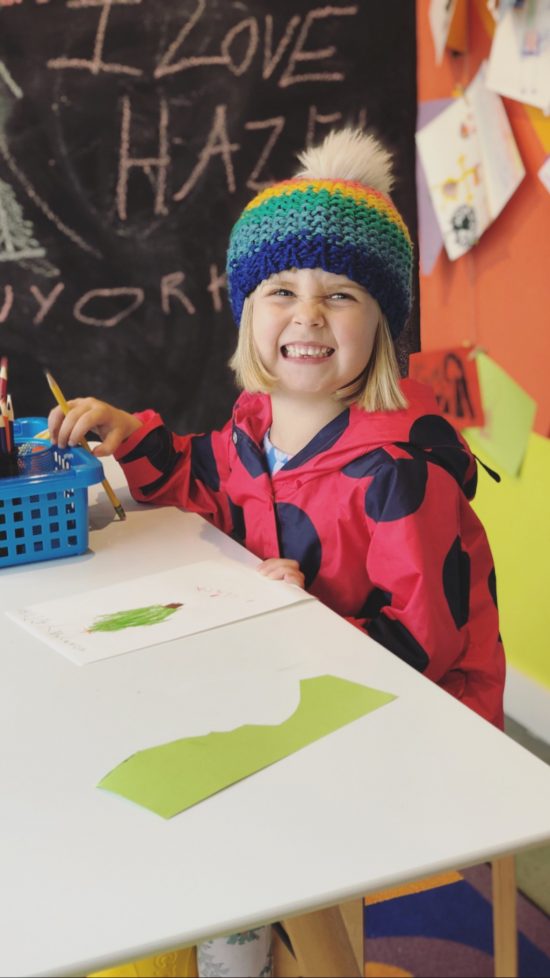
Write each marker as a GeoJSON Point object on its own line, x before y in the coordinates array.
{"type": "Point", "coordinates": [282, 569]}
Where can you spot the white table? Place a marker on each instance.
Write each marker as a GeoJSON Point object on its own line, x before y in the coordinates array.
{"type": "Point", "coordinates": [87, 879]}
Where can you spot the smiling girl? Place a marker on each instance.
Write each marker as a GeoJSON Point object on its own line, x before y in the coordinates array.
{"type": "Point", "coordinates": [339, 476]}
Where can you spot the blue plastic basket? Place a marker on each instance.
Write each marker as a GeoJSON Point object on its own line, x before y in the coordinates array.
{"type": "Point", "coordinates": [44, 509]}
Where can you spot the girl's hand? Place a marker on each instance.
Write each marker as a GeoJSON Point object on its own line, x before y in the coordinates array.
{"type": "Point", "coordinates": [283, 569]}
{"type": "Point", "coordinates": [87, 414]}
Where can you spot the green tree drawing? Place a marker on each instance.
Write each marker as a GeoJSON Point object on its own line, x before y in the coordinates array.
{"type": "Point", "coordinates": [152, 614]}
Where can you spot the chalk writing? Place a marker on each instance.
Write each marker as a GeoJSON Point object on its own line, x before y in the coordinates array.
{"type": "Point", "coordinates": [132, 133]}
{"type": "Point", "coordinates": [16, 234]}
{"type": "Point", "coordinates": [147, 163]}
{"type": "Point", "coordinates": [7, 303]}
{"type": "Point", "coordinates": [41, 204]}
{"type": "Point", "coordinates": [129, 297]}
{"type": "Point", "coordinates": [45, 303]}
{"type": "Point", "coordinates": [301, 56]}
{"type": "Point", "coordinates": [9, 82]}
{"type": "Point", "coordinates": [96, 63]}
{"type": "Point", "coordinates": [277, 125]}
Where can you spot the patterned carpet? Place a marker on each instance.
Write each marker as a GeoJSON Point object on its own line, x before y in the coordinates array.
{"type": "Point", "coordinates": [446, 930]}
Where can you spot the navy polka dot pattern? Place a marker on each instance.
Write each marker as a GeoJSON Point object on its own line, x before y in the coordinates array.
{"type": "Point", "coordinates": [456, 583]}
{"type": "Point", "coordinates": [374, 511]}
{"type": "Point", "coordinates": [398, 484]}
{"type": "Point", "coordinates": [250, 454]}
{"type": "Point", "coordinates": [397, 490]}
{"type": "Point", "coordinates": [492, 584]}
{"type": "Point", "coordinates": [367, 464]}
{"type": "Point", "coordinates": [299, 540]}
{"type": "Point", "coordinates": [203, 463]}
{"type": "Point", "coordinates": [432, 429]}
{"type": "Point", "coordinates": [395, 637]}
{"type": "Point", "coordinates": [158, 448]}
{"type": "Point", "coordinates": [376, 600]}
{"type": "Point", "coordinates": [239, 527]}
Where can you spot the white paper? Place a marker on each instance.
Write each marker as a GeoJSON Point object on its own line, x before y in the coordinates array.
{"type": "Point", "coordinates": [471, 163]}
{"type": "Point", "coordinates": [519, 63]}
{"type": "Point", "coordinates": [208, 594]}
{"type": "Point", "coordinates": [501, 165]}
{"type": "Point", "coordinates": [440, 15]}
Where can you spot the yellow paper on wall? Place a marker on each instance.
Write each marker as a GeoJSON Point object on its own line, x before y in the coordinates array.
{"type": "Point", "coordinates": [516, 517]}
{"type": "Point", "coordinates": [509, 414]}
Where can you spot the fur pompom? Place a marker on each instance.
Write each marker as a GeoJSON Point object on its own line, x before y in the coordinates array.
{"type": "Point", "coordinates": [349, 154]}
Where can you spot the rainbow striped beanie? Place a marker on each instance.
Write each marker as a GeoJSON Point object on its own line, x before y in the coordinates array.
{"type": "Point", "coordinates": [340, 226]}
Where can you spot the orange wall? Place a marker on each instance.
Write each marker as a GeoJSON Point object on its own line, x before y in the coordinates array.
{"type": "Point", "coordinates": [498, 295]}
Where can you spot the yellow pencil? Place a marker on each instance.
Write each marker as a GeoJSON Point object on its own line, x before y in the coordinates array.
{"type": "Point", "coordinates": [56, 391]}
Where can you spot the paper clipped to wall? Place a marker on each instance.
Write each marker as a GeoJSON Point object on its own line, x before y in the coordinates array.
{"type": "Point", "coordinates": [472, 165]}
{"type": "Point", "coordinates": [519, 62]}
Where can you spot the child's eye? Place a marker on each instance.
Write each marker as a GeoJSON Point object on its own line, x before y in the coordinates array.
{"type": "Point", "coordinates": [339, 296]}
{"type": "Point", "coordinates": [281, 291]}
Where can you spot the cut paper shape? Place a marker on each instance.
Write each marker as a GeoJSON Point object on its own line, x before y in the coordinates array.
{"type": "Point", "coordinates": [509, 415]}
{"type": "Point", "coordinates": [472, 165]}
{"type": "Point", "coordinates": [515, 515]}
{"type": "Point", "coordinates": [452, 375]}
{"type": "Point", "coordinates": [171, 777]}
{"type": "Point", "coordinates": [519, 62]}
{"type": "Point", "coordinates": [211, 593]}
{"type": "Point", "coordinates": [430, 238]}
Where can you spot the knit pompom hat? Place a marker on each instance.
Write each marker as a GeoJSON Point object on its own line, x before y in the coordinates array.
{"type": "Point", "coordinates": [336, 215]}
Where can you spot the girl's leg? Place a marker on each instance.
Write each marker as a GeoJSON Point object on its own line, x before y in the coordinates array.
{"type": "Point", "coordinates": [245, 955]}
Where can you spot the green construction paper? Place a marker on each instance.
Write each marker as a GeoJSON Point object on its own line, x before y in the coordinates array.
{"type": "Point", "coordinates": [172, 777]}
{"type": "Point", "coordinates": [509, 414]}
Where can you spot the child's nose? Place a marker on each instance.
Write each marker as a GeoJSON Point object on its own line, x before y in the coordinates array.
{"type": "Point", "coordinates": [309, 312]}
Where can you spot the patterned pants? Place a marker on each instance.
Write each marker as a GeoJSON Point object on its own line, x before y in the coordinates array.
{"type": "Point", "coordinates": [245, 955]}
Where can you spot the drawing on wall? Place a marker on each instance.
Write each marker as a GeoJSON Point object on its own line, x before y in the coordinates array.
{"type": "Point", "coordinates": [17, 241]}
{"type": "Point", "coordinates": [471, 163]}
{"type": "Point", "coordinates": [452, 375]}
{"type": "Point", "coordinates": [135, 614]}
{"type": "Point", "coordinates": [519, 63]}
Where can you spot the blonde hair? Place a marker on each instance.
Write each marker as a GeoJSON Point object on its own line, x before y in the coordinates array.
{"type": "Point", "coordinates": [377, 389]}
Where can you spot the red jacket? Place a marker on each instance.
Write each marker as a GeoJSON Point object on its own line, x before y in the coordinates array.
{"type": "Point", "coordinates": [375, 510]}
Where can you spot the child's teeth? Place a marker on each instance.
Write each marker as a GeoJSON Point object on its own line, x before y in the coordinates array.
{"type": "Point", "coordinates": [307, 351]}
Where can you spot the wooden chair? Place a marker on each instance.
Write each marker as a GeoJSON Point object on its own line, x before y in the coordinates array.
{"type": "Point", "coordinates": [330, 943]}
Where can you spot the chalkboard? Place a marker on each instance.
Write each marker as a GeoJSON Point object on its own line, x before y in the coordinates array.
{"type": "Point", "coordinates": [132, 133]}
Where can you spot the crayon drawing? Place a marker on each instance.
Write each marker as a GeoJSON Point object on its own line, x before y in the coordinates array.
{"type": "Point", "coordinates": [471, 164]}
{"type": "Point", "coordinates": [153, 614]}
{"type": "Point", "coordinates": [147, 611]}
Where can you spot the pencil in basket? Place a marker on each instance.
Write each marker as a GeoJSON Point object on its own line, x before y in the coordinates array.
{"type": "Point", "coordinates": [57, 393]}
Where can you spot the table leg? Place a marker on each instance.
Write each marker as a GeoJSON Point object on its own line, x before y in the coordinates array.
{"type": "Point", "coordinates": [505, 933]}
{"type": "Point", "coordinates": [322, 944]}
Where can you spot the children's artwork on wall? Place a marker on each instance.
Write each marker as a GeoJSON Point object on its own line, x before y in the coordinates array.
{"type": "Point", "coordinates": [440, 15]}
{"type": "Point", "coordinates": [519, 62]}
{"type": "Point", "coordinates": [171, 777]}
{"type": "Point", "coordinates": [509, 415]}
{"type": "Point", "coordinates": [452, 375]}
{"type": "Point", "coordinates": [472, 165]}
{"type": "Point", "coordinates": [430, 239]}
{"type": "Point", "coordinates": [154, 609]}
